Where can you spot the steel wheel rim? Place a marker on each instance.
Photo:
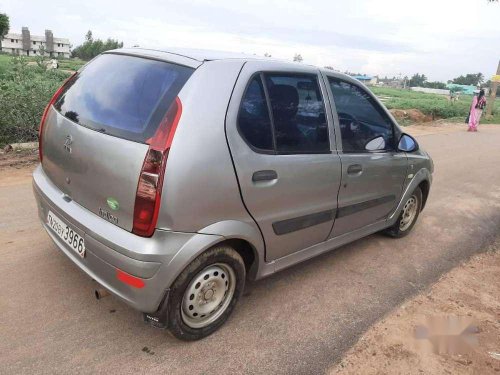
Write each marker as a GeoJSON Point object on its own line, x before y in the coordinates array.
{"type": "Point", "coordinates": [409, 213]}
{"type": "Point", "coordinates": [208, 295]}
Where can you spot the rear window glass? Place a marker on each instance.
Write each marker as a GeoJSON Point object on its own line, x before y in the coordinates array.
{"type": "Point", "coordinates": [123, 96]}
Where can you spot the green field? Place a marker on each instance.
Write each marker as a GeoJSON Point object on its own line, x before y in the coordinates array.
{"type": "Point", "coordinates": [437, 106]}
{"type": "Point", "coordinates": [4, 63]}
{"type": "Point", "coordinates": [64, 64]}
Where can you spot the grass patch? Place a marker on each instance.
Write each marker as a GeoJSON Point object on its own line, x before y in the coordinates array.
{"type": "Point", "coordinates": [71, 64]}
{"type": "Point", "coordinates": [434, 105]}
{"type": "Point", "coordinates": [4, 64]}
{"type": "Point", "coordinates": [25, 89]}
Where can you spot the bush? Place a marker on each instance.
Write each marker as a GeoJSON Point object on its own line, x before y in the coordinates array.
{"type": "Point", "coordinates": [24, 93]}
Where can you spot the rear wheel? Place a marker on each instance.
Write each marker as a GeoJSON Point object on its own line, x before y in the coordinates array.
{"type": "Point", "coordinates": [205, 293]}
{"type": "Point", "coordinates": [408, 216]}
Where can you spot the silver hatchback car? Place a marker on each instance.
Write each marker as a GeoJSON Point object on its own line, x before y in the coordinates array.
{"type": "Point", "coordinates": [172, 177]}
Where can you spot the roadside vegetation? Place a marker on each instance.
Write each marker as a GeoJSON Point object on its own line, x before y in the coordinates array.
{"type": "Point", "coordinates": [25, 90]}
{"type": "Point", "coordinates": [433, 105]}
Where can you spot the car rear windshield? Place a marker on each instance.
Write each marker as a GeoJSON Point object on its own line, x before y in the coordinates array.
{"type": "Point", "coordinates": [124, 96]}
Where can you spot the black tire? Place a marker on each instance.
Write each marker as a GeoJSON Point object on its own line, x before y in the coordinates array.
{"type": "Point", "coordinates": [176, 317]}
{"type": "Point", "coordinates": [397, 230]}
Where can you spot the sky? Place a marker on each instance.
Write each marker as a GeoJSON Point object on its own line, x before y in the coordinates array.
{"type": "Point", "coordinates": [440, 38]}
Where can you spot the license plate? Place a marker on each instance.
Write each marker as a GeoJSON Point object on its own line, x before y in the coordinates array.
{"type": "Point", "coordinates": [66, 233]}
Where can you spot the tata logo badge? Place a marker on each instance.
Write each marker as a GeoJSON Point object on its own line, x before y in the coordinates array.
{"type": "Point", "coordinates": [68, 142]}
{"type": "Point", "coordinates": [113, 204]}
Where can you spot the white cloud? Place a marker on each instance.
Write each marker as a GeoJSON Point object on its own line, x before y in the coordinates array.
{"type": "Point", "coordinates": [441, 38]}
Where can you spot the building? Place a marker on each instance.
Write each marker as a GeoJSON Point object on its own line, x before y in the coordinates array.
{"type": "Point", "coordinates": [463, 89]}
{"type": "Point", "coordinates": [25, 44]}
{"type": "Point", "coordinates": [367, 80]}
{"type": "Point", "coordinates": [428, 90]}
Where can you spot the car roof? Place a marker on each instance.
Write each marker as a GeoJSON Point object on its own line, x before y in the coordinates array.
{"type": "Point", "coordinates": [195, 57]}
{"type": "Point", "coordinates": [209, 55]}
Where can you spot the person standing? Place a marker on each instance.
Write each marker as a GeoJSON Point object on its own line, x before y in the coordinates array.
{"type": "Point", "coordinates": [476, 110]}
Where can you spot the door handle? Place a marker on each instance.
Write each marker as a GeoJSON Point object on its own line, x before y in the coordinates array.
{"type": "Point", "coordinates": [354, 169]}
{"type": "Point", "coordinates": [266, 175]}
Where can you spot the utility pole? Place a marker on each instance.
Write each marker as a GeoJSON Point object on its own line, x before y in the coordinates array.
{"type": "Point", "coordinates": [493, 93]}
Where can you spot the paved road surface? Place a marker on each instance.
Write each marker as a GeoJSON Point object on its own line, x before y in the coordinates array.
{"type": "Point", "coordinates": [299, 321]}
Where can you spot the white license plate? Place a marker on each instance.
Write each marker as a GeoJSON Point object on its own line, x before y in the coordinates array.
{"type": "Point", "coordinates": [66, 233]}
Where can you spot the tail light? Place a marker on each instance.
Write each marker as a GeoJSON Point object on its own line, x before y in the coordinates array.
{"type": "Point", "coordinates": [46, 112]}
{"type": "Point", "coordinates": [148, 196]}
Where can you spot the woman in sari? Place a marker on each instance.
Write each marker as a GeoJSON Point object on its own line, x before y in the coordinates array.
{"type": "Point", "coordinates": [476, 110]}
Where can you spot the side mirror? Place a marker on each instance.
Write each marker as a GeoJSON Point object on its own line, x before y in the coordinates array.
{"type": "Point", "coordinates": [407, 143]}
{"type": "Point", "coordinates": [376, 144]}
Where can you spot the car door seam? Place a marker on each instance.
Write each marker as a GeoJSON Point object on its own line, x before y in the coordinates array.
{"type": "Point", "coordinates": [234, 164]}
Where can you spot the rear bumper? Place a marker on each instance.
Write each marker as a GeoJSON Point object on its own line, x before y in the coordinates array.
{"type": "Point", "coordinates": [110, 248]}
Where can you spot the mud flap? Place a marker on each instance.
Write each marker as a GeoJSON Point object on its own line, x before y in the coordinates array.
{"type": "Point", "coordinates": [158, 319]}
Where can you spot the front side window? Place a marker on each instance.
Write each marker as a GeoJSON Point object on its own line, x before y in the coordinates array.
{"type": "Point", "coordinates": [361, 119]}
{"type": "Point", "coordinates": [253, 118]}
{"type": "Point", "coordinates": [298, 113]}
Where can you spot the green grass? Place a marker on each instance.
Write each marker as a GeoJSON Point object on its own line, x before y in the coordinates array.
{"type": "Point", "coordinates": [4, 63]}
{"type": "Point", "coordinates": [64, 64]}
{"type": "Point", "coordinates": [71, 64]}
{"type": "Point", "coordinates": [435, 105]}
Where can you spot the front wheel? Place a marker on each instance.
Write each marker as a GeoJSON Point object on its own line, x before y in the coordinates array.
{"type": "Point", "coordinates": [408, 216]}
{"type": "Point", "coordinates": [205, 293]}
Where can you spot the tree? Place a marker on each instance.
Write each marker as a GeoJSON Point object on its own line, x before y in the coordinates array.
{"type": "Point", "coordinates": [88, 36]}
{"type": "Point", "coordinates": [93, 47]}
{"type": "Point", "coordinates": [4, 27]}
{"type": "Point", "coordinates": [418, 80]}
{"type": "Point", "coordinates": [469, 79]}
{"type": "Point", "coordinates": [298, 58]}
{"type": "Point", "coordinates": [40, 58]}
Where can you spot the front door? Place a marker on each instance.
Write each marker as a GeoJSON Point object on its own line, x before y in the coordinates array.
{"type": "Point", "coordinates": [372, 179]}
{"type": "Point", "coordinates": [279, 135]}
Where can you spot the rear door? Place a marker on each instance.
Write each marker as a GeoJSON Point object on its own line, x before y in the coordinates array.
{"type": "Point", "coordinates": [95, 136]}
{"type": "Point", "coordinates": [280, 139]}
{"type": "Point", "coordinates": [372, 181]}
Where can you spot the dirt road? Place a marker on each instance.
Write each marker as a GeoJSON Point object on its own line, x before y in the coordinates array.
{"type": "Point", "coordinates": [457, 322]}
{"type": "Point", "coordinates": [300, 321]}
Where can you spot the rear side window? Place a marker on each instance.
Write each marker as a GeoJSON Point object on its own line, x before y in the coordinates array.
{"type": "Point", "coordinates": [253, 118]}
{"type": "Point", "coordinates": [124, 96]}
{"type": "Point", "coordinates": [298, 113]}
{"type": "Point", "coordinates": [294, 120]}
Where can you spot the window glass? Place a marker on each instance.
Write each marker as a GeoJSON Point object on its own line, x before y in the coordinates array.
{"type": "Point", "coordinates": [298, 113]}
{"type": "Point", "coordinates": [121, 95]}
{"type": "Point", "coordinates": [253, 118]}
{"type": "Point", "coordinates": [361, 118]}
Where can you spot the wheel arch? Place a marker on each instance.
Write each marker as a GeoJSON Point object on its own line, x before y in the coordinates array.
{"type": "Point", "coordinates": [421, 179]}
{"type": "Point", "coordinates": [424, 186]}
